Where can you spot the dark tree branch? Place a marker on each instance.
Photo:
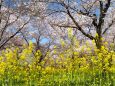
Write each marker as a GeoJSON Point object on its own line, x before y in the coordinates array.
{"type": "Point", "coordinates": [6, 25]}
{"type": "Point", "coordinates": [100, 17]}
{"type": "Point", "coordinates": [1, 1]}
{"type": "Point", "coordinates": [65, 26]}
{"type": "Point", "coordinates": [106, 29]}
{"type": "Point", "coordinates": [103, 11]}
{"type": "Point", "coordinates": [7, 40]}
{"type": "Point", "coordinates": [77, 25]}
{"type": "Point", "coordinates": [24, 37]}
{"type": "Point", "coordinates": [107, 6]}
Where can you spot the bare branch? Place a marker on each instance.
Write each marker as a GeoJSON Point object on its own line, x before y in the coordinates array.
{"type": "Point", "coordinates": [106, 29]}
{"type": "Point", "coordinates": [7, 40]}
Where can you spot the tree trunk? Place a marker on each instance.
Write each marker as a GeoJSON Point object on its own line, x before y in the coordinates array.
{"type": "Point", "coordinates": [98, 42]}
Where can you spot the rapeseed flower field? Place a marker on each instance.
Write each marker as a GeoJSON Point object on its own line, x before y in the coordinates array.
{"type": "Point", "coordinates": [68, 68]}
